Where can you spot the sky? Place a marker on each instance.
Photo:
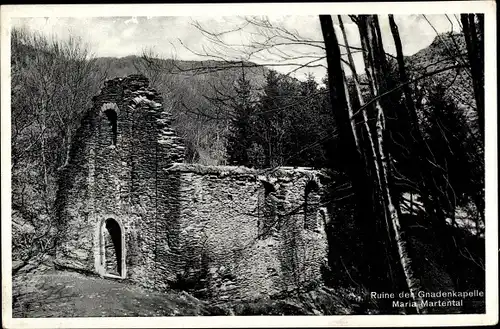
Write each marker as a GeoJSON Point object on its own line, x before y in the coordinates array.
{"type": "Point", "coordinates": [178, 37]}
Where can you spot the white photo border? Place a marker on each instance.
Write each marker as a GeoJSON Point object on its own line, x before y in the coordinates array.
{"type": "Point", "coordinates": [397, 8]}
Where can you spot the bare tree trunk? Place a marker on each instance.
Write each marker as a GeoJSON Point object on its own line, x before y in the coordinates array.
{"type": "Point", "coordinates": [338, 92]}
{"type": "Point", "coordinates": [359, 95]}
{"type": "Point", "coordinates": [369, 32]}
{"type": "Point", "coordinates": [352, 161]}
{"type": "Point", "coordinates": [475, 52]}
{"type": "Point", "coordinates": [350, 110]}
{"type": "Point", "coordinates": [353, 165]}
{"type": "Point", "coordinates": [365, 114]}
{"type": "Point", "coordinates": [419, 148]}
{"type": "Point", "coordinates": [403, 77]}
{"type": "Point", "coordinates": [351, 115]}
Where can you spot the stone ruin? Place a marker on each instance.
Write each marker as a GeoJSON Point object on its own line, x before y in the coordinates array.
{"type": "Point", "coordinates": [128, 208]}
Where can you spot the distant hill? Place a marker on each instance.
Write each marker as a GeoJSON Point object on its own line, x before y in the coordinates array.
{"type": "Point", "coordinates": [194, 79]}
{"type": "Point", "coordinates": [446, 50]}
{"type": "Point", "coordinates": [185, 77]}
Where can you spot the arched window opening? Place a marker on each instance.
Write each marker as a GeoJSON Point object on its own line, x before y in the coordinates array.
{"type": "Point", "coordinates": [267, 211]}
{"type": "Point", "coordinates": [112, 248]}
{"type": "Point", "coordinates": [311, 206]}
{"type": "Point", "coordinates": [112, 118]}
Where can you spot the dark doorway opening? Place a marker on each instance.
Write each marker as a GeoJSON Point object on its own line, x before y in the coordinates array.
{"type": "Point", "coordinates": [113, 247]}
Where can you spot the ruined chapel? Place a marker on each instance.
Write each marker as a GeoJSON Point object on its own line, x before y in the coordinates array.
{"type": "Point", "coordinates": [130, 208]}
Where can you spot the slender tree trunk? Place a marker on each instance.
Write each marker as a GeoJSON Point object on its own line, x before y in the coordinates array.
{"type": "Point", "coordinates": [364, 112]}
{"type": "Point", "coordinates": [359, 94]}
{"type": "Point", "coordinates": [352, 161]}
{"type": "Point", "coordinates": [403, 77]}
{"type": "Point", "coordinates": [370, 34]}
{"type": "Point", "coordinates": [351, 117]}
{"type": "Point", "coordinates": [475, 52]}
{"type": "Point", "coordinates": [419, 149]}
{"type": "Point", "coordinates": [353, 165]}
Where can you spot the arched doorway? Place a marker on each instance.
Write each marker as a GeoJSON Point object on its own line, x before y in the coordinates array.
{"type": "Point", "coordinates": [112, 248]}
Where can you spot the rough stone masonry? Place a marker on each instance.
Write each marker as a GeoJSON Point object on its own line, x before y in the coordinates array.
{"type": "Point", "coordinates": [128, 208]}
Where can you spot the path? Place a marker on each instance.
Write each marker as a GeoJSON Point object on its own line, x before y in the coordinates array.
{"type": "Point", "coordinates": [66, 294]}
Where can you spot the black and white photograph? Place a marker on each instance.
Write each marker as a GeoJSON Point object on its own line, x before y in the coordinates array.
{"type": "Point", "coordinates": [289, 164]}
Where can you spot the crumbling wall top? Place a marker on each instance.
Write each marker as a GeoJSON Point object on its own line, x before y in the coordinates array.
{"type": "Point", "coordinates": [123, 90]}
{"type": "Point", "coordinates": [132, 82]}
{"type": "Point", "coordinates": [270, 174]}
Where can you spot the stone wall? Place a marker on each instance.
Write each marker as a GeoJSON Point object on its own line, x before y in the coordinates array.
{"type": "Point", "coordinates": [250, 233]}
{"type": "Point", "coordinates": [225, 232]}
{"type": "Point", "coordinates": [123, 143]}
